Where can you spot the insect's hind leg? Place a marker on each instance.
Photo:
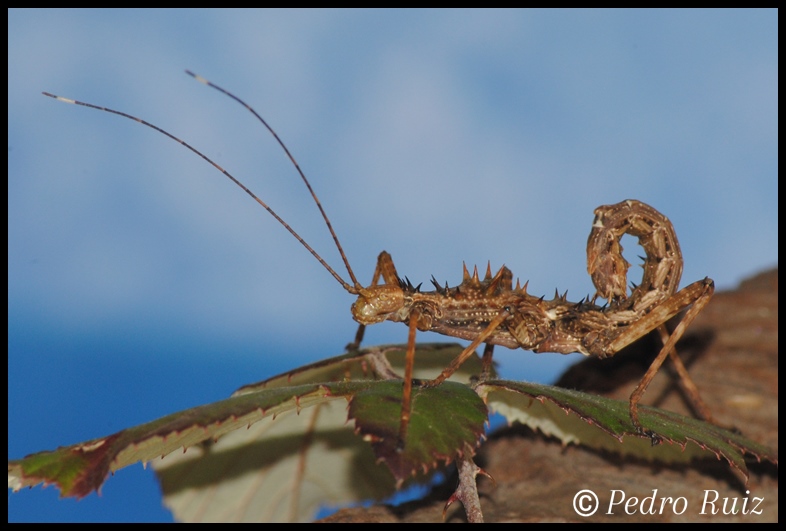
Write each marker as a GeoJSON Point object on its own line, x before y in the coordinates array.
{"type": "Point", "coordinates": [686, 382]}
{"type": "Point", "coordinates": [700, 292]}
{"type": "Point", "coordinates": [387, 271]}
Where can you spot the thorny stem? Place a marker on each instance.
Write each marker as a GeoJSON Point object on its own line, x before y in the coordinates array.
{"type": "Point", "coordinates": [467, 490]}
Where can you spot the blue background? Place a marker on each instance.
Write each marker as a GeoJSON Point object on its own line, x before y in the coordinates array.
{"type": "Point", "coordinates": [141, 282]}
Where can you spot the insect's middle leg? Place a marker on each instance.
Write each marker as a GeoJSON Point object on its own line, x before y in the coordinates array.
{"type": "Point", "coordinates": [488, 355]}
{"type": "Point", "coordinates": [495, 323]}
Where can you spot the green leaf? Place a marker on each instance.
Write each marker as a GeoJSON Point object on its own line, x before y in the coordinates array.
{"type": "Point", "coordinates": [430, 359]}
{"type": "Point", "coordinates": [81, 468]}
{"type": "Point", "coordinates": [604, 423]}
{"type": "Point", "coordinates": [443, 419]}
{"type": "Point", "coordinates": [278, 449]}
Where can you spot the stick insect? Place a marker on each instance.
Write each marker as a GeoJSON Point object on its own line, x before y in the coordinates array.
{"type": "Point", "coordinates": [494, 312]}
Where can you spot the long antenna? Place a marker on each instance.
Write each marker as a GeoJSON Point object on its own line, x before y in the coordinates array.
{"type": "Point", "coordinates": [297, 167]}
{"type": "Point", "coordinates": [354, 289]}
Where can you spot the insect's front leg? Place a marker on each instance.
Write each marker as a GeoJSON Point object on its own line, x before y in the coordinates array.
{"type": "Point", "coordinates": [387, 271]}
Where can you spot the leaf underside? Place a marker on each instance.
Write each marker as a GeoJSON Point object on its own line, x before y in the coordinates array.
{"type": "Point", "coordinates": [305, 454]}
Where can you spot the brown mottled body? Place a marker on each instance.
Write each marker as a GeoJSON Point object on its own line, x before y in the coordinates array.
{"type": "Point", "coordinates": [492, 311]}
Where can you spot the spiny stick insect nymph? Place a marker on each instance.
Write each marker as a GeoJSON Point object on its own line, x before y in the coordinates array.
{"type": "Point", "coordinates": [494, 312]}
